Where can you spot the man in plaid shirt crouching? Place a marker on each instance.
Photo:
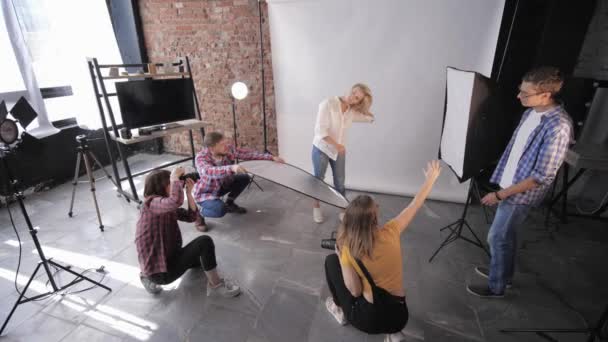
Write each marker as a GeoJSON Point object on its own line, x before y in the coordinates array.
{"type": "Point", "coordinates": [217, 165]}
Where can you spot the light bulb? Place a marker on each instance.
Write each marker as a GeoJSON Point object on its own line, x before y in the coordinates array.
{"type": "Point", "coordinates": [239, 90]}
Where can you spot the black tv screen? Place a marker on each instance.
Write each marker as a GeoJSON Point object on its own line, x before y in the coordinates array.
{"type": "Point", "coordinates": [155, 102]}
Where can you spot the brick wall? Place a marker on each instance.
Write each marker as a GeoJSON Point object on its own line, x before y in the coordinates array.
{"type": "Point", "coordinates": [221, 39]}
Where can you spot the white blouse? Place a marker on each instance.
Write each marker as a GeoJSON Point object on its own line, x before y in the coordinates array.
{"type": "Point", "coordinates": [332, 123]}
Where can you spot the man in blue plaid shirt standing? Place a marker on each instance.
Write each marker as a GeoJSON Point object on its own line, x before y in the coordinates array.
{"type": "Point", "coordinates": [525, 172]}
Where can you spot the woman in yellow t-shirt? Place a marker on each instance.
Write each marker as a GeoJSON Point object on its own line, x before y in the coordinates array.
{"type": "Point", "coordinates": [366, 280]}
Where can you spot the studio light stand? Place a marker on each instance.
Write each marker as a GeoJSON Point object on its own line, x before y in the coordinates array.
{"type": "Point", "coordinates": [457, 227]}
{"type": "Point", "coordinates": [9, 139]}
{"type": "Point", "coordinates": [44, 262]}
{"type": "Point", "coordinates": [239, 91]}
{"type": "Point", "coordinates": [84, 153]}
{"type": "Point", "coordinates": [263, 78]}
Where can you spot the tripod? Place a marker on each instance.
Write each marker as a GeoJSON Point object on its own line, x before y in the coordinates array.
{"type": "Point", "coordinates": [457, 227]}
{"type": "Point", "coordinates": [594, 332]}
{"type": "Point", "coordinates": [44, 262]}
{"type": "Point", "coordinates": [84, 153]}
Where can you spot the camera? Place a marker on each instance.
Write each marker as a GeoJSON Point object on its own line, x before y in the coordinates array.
{"type": "Point", "coordinates": [329, 243]}
{"type": "Point", "coordinates": [192, 175]}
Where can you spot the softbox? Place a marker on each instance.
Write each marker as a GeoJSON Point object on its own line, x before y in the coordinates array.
{"type": "Point", "coordinates": [476, 127]}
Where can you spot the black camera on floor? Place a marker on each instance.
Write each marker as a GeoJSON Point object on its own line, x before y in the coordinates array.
{"type": "Point", "coordinates": [329, 243]}
{"type": "Point", "coordinates": [192, 175]}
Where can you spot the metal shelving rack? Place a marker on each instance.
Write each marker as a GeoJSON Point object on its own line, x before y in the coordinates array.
{"type": "Point", "coordinates": [110, 132]}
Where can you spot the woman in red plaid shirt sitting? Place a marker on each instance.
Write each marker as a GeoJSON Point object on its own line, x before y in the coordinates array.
{"type": "Point", "coordinates": [162, 258]}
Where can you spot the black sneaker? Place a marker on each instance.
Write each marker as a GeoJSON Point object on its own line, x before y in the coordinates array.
{"type": "Point", "coordinates": [200, 224]}
{"type": "Point", "coordinates": [484, 272]}
{"type": "Point", "coordinates": [233, 208]}
{"type": "Point", "coordinates": [483, 291]}
{"type": "Point", "coordinates": [149, 285]}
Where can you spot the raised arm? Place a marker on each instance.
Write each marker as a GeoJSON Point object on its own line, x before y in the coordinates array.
{"type": "Point", "coordinates": [365, 118]}
{"type": "Point", "coordinates": [161, 205]}
{"type": "Point", "coordinates": [205, 167]}
{"type": "Point", "coordinates": [249, 154]}
{"type": "Point", "coordinates": [188, 215]}
{"type": "Point", "coordinates": [406, 216]}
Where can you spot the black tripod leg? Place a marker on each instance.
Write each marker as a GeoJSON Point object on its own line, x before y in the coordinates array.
{"type": "Point", "coordinates": [478, 194]}
{"type": "Point", "coordinates": [20, 297]}
{"type": "Point", "coordinates": [564, 214]}
{"type": "Point", "coordinates": [87, 165]}
{"type": "Point", "coordinates": [192, 148]}
{"type": "Point", "coordinates": [75, 182]}
{"type": "Point", "coordinates": [256, 184]}
{"type": "Point", "coordinates": [252, 181]}
{"type": "Point", "coordinates": [79, 275]}
{"type": "Point", "coordinates": [450, 238]}
{"type": "Point", "coordinates": [479, 243]}
{"type": "Point", "coordinates": [96, 161]}
{"type": "Point", "coordinates": [449, 226]}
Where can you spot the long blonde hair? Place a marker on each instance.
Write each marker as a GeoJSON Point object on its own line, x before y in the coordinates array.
{"type": "Point", "coordinates": [357, 229]}
{"type": "Point", "coordinates": [365, 104]}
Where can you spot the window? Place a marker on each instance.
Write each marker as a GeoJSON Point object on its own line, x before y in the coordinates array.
{"type": "Point", "coordinates": [11, 80]}
{"type": "Point", "coordinates": [60, 34]}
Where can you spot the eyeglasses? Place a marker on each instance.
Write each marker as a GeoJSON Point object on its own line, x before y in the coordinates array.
{"type": "Point", "coordinates": [526, 95]}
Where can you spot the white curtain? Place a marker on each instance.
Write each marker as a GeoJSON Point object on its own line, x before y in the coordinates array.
{"type": "Point", "coordinates": [61, 34]}
{"type": "Point", "coordinates": [42, 126]}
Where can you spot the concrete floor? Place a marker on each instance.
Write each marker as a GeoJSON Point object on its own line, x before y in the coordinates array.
{"type": "Point", "coordinates": [273, 252]}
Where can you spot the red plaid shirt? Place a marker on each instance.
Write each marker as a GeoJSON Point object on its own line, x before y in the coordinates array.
{"type": "Point", "coordinates": [213, 172]}
{"type": "Point", "coordinates": [158, 237]}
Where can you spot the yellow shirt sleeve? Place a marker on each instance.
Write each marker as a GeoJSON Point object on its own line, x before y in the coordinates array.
{"type": "Point", "coordinates": [392, 227]}
{"type": "Point", "coordinates": [345, 258]}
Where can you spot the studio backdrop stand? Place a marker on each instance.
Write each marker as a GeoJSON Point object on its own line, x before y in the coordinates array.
{"type": "Point", "coordinates": [456, 228]}
{"type": "Point", "coordinates": [85, 154]}
{"type": "Point", "coordinates": [596, 332]}
{"type": "Point", "coordinates": [44, 262]}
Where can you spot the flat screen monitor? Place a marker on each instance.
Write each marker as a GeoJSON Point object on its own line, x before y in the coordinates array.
{"type": "Point", "coordinates": [154, 102]}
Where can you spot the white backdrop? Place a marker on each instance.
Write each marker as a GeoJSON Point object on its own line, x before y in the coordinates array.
{"type": "Point", "coordinates": [400, 48]}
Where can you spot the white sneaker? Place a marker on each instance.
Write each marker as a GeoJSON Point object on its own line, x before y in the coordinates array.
{"type": "Point", "coordinates": [335, 311]}
{"type": "Point", "coordinates": [226, 289]}
{"type": "Point", "coordinates": [396, 337]}
{"type": "Point", "coordinates": [341, 216]}
{"type": "Point", "coordinates": [317, 215]}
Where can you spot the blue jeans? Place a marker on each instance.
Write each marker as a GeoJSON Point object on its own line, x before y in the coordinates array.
{"type": "Point", "coordinates": [319, 163]}
{"type": "Point", "coordinates": [215, 207]}
{"type": "Point", "coordinates": [502, 239]}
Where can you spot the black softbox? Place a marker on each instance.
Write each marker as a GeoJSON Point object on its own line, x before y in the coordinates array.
{"type": "Point", "coordinates": [476, 125]}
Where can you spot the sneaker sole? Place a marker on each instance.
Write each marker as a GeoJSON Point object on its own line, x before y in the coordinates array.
{"type": "Point", "coordinates": [217, 295]}
{"type": "Point", "coordinates": [480, 296]}
{"type": "Point", "coordinates": [483, 275]}
{"type": "Point", "coordinates": [342, 323]}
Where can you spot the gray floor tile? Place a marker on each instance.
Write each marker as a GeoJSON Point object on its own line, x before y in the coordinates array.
{"type": "Point", "coordinates": [274, 253]}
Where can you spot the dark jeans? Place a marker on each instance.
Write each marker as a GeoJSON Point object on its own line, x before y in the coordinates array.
{"type": "Point", "coordinates": [360, 313]}
{"type": "Point", "coordinates": [215, 208]}
{"type": "Point", "coordinates": [199, 252]}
